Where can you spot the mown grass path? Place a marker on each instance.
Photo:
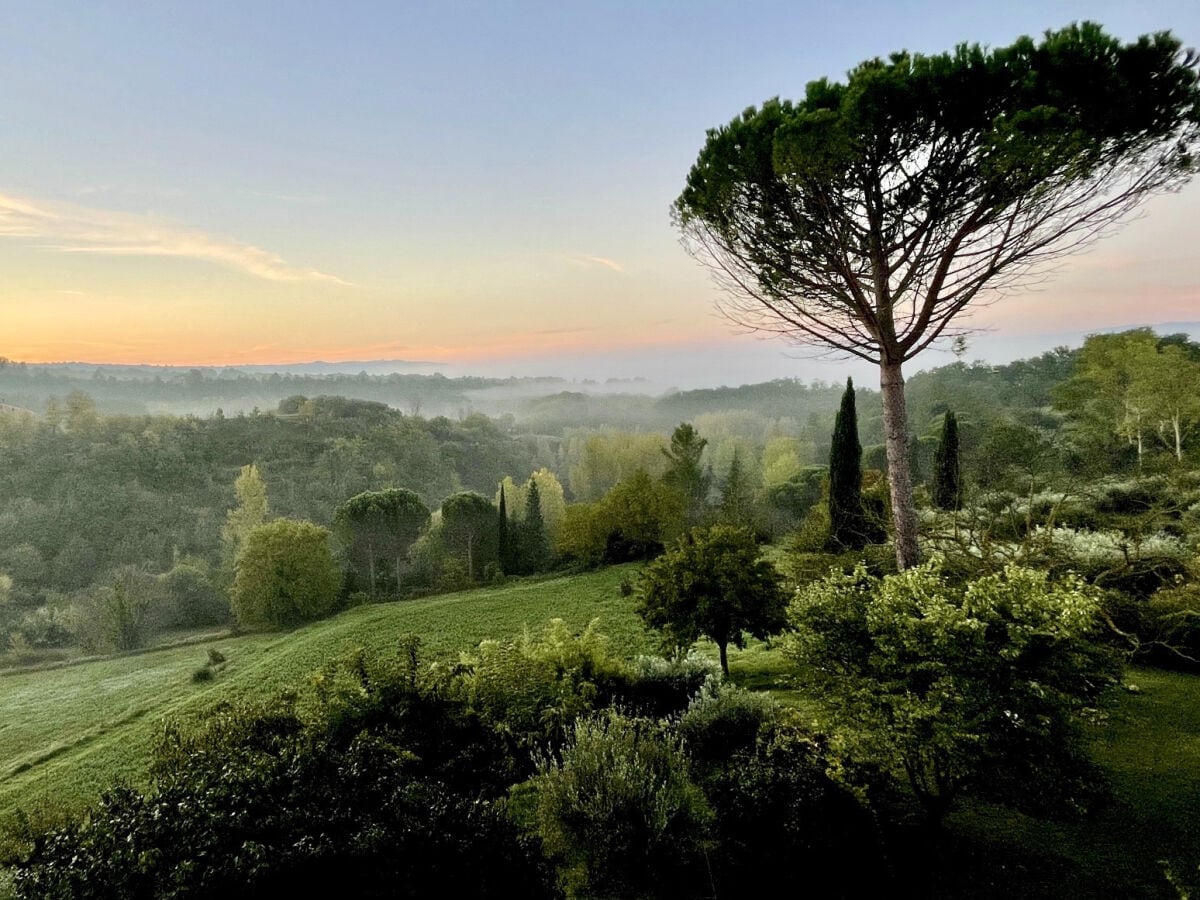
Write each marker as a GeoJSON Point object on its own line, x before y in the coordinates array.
{"type": "Point", "coordinates": [67, 733]}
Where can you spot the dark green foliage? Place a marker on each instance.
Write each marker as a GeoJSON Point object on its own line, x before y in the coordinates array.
{"type": "Point", "coordinates": [792, 500]}
{"type": "Point", "coordinates": [712, 584]}
{"type": "Point", "coordinates": [190, 599]}
{"type": "Point", "coordinates": [737, 505]}
{"type": "Point", "coordinates": [470, 532]}
{"type": "Point", "coordinates": [504, 543]}
{"type": "Point", "coordinates": [123, 609]}
{"type": "Point", "coordinates": [685, 473]}
{"type": "Point", "coordinates": [947, 490]}
{"type": "Point", "coordinates": [767, 782]}
{"type": "Point", "coordinates": [848, 527]}
{"type": "Point", "coordinates": [382, 789]}
{"type": "Point", "coordinates": [618, 813]}
{"type": "Point", "coordinates": [534, 544]}
{"type": "Point", "coordinates": [375, 530]}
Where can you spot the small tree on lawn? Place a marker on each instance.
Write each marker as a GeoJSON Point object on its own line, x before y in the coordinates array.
{"type": "Point", "coordinates": [712, 584]}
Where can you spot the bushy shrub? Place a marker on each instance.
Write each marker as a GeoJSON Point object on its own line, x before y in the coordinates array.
{"type": "Point", "coordinates": [723, 720]}
{"type": "Point", "coordinates": [538, 684]}
{"type": "Point", "coordinates": [617, 812]}
{"type": "Point", "coordinates": [1169, 627]}
{"type": "Point", "coordinates": [47, 627]}
{"type": "Point", "coordinates": [774, 800]}
{"type": "Point", "coordinates": [963, 687]}
{"type": "Point", "coordinates": [664, 686]}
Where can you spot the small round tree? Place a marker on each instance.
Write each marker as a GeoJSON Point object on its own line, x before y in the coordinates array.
{"type": "Point", "coordinates": [712, 584]}
{"type": "Point", "coordinates": [376, 530]}
{"type": "Point", "coordinates": [285, 575]}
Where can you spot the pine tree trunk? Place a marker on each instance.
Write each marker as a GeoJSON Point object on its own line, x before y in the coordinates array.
{"type": "Point", "coordinates": [895, 424]}
{"type": "Point", "coordinates": [1178, 441]}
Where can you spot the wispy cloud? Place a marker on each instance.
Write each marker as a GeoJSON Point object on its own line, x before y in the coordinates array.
{"type": "Point", "coordinates": [79, 229]}
{"type": "Point", "coordinates": [599, 261]}
{"type": "Point", "coordinates": [560, 331]}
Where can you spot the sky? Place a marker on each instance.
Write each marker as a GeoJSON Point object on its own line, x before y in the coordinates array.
{"type": "Point", "coordinates": [485, 186]}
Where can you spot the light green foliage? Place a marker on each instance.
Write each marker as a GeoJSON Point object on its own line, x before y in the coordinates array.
{"type": "Point", "coordinates": [1168, 388]}
{"type": "Point", "coordinates": [285, 575]}
{"type": "Point", "coordinates": [617, 810]}
{"type": "Point", "coordinates": [641, 510]}
{"type": "Point", "coordinates": [1135, 386]}
{"type": "Point", "coordinates": [978, 686]}
{"type": "Point", "coordinates": [540, 683]}
{"type": "Point", "coordinates": [713, 584]}
{"type": "Point", "coordinates": [596, 463]}
{"type": "Point", "coordinates": [550, 495]}
{"type": "Point", "coordinates": [781, 460]}
{"type": "Point", "coordinates": [6, 586]}
{"type": "Point", "coordinates": [252, 510]}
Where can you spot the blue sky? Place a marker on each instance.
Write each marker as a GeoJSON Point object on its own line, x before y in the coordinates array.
{"type": "Point", "coordinates": [477, 183]}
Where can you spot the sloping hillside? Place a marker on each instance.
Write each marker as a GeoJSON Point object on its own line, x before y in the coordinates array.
{"type": "Point", "coordinates": [68, 733]}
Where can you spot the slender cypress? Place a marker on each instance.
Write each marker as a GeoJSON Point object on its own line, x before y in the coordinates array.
{"type": "Point", "coordinates": [505, 554]}
{"type": "Point", "coordinates": [947, 490]}
{"type": "Point", "coordinates": [847, 519]}
{"type": "Point", "coordinates": [534, 544]}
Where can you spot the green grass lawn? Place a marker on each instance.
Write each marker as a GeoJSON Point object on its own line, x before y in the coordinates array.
{"type": "Point", "coordinates": [68, 733]}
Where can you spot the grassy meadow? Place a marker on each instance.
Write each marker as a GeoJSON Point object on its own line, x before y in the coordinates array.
{"type": "Point", "coordinates": [67, 733]}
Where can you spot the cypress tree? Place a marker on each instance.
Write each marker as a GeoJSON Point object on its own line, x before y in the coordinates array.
{"type": "Point", "coordinates": [534, 544]}
{"type": "Point", "coordinates": [505, 551]}
{"type": "Point", "coordinates": [946, 487]}
{"type": "Point", "coordinates": [847, 519]}
{"type": "Point", "coordinates": [737, 495]}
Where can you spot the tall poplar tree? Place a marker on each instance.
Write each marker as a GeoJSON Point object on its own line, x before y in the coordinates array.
{"type": "Point", "coordinates": [847, 519]}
